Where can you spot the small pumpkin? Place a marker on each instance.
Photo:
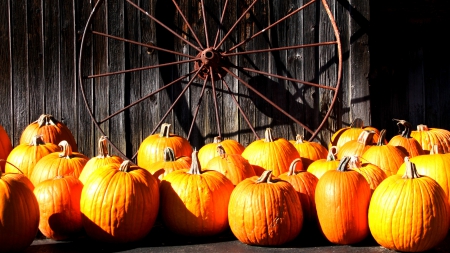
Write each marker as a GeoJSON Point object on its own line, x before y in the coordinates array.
{"type": "Point", "coordinates": [357, 147]}
{"type": "Point", "coordinates": [170, 163]}
{"type": "Point", "coordinates": [319, 167]}
{"type": "Point", "coordinates": [342, 200]}
{"type": "Point", "coordinates": [195, 202]}
{"type": "Point", "coordinates": [409, 213]}
{"type": "Point", "coordinates": [5, 147]}
{"type": "Point", "coordinates": [152, 148]}
{"type": "Point", "coordinates": [371, 172]}
{"type": "Point", "coordinates": [59, 206]}
{"type": "Point", "coordinates": [309, 151]}
{"type": "Point", "coordinates": [428, 137]}
{"type": "Point", "coordinates": [350, 133]}
{"type": "Point", "coordinates": [209, 151]}
{"type": "Point", "coordinates": [265, 211]}
{"type": "Point", "coordinates": [50, 129]}
{"type": "Point", "coordinates": [275, 154]}
{"type": "Point", "coordinates": [410, 146]}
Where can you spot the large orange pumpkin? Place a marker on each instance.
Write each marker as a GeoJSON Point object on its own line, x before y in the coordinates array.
{"type": "Point", "coordinates": [309, 151]}
{"type": "Point", "coordinates": [50, 129]}
{"type": "Point", "coordinates": [59, 206]}
{"type": "Point", "coordinates": [195, 202]}
{"type": "Point", "coordinates": [5, 147]}
{"type": "Point", "coordinates": [409, 213]}
{"type": "Point", "coordinates": [342, 200]}
{"type": "Point", "coordinates": [209, 151]}
{"type": "Point", "coordinates": [19, 214]}
{"type": "Point", "coordinates": [428, 137]}
{"type": "Point", "coordinates": [152, 148]}
{"type": "Point", "coordinates": [25, 156]}
{"type": "Point", "coordinates": [410, 146]}
{"type": "Point", "coordinates": [275, 154]}
{"type": "Point", "coordinates": [265, 211]}
{"type": "Point", "coordinates": [119, 203]}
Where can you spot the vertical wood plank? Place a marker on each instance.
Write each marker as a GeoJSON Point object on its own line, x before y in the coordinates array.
{"type": "Point", "coordinates": [6, 60]}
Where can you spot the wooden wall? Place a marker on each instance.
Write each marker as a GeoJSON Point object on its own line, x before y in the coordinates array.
{"type": "Point", "coordinates": [40, 44]}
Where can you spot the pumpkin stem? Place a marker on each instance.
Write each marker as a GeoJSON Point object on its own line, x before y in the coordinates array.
{"type": "Point", "coordinates": [406, 133]}
{"type": "Point", "coordinates": [331, 156]}
{"type": "Point", "coordinates": [343, 164]}
{"type": "Point", "coordinates": [217, 139]}
{"type": "Point", "coordinates": [37, 140]}
{"type": "Point", "coordinates": [17, 168]}
{"type": "Point", "coordinates": [435, 150]}
{"type": "Point", "coordinates": [125, 166]}
{"type": "Point", "coordinates": [299, 139]}
{"type": "Point", "coordinates": [103, 147]}
{"type": "Point", "coordinates": [165, 130]}
{"type": "Point", "coordinates": [221, 151]}
{"type": "Point", "coordinates": [366, 137]}
{"type": "Point", "coordinates": [382, 137]}
{"type": "Point", "coordinates": [354, 162]}
{"type": "Point", "coordinates": [195, 168]}
{"type": "Point", "coordinates": [169, 154]}
{"type": "Point", "coordinates": [266, 177]}
{"type": "Point", "coordinates": [46, 120]}
{"type": "Point", "coordinates": [291, 170]}
{"type": "Point", "coordinates": [422, 128]}
{"type": "Point", "coordinates": [268, 137]}
{"type": "Point", "coordinates": [411, 170]}
{"type": "Point", "coordinates": [357, 123]}
{"type": "Point", "coordinates": [66, 149]}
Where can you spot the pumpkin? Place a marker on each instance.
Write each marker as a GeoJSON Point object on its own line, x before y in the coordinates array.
{"type": "Point", "coordinates": [50, 129]}
{"type": "Point", "coordinates": [409, 145]}
{"type": "Point", "coordinates": [309, 151]}
{"type": "Point", "coordinates": [152, 148]}
{"type": "Point", "coordinates": [170, 163]}
{"type": "Point", "coordinates": [342, 200]}
{"type": "Point", "coordinates": [346, 134]}
{"type": "Point", "coordinates": [275, 154]}
{"type": "Point", "coordinates": [209, 151]}
{"type": "Point", "coordinates": [304, 184]}
{"type": "Point", "coordinates": [434, 165]}
{"type": "Point", "coordinates": [235, 167]}
{"type": "Point", "coordinates": [25, 156]}
{"type": "Point", "coordinates": [19, 214]}
{"type": "Point", "coordinates": [409, 212]}
{"type": "Point", "coordinates": [386, 156]}
{"type": "Point", "coordinates": [319, 167]}
{"type": "Point", "coordinates": [428, 137]}
{"type": "Point", "coordinates": [5, 147]}
{"type": "Point", "coordinates": [195, 202]}
{"type": "Point", "coordinates": [371, 172]}
{"type": "Point", "coordinates": [357, 147]}
{"type": "Point", "coordinates": [103, 158]}
{"type": "Point", "coordinates": [61, 163]}
{"type": "Point", "coordinates": [119, 203]}
{"type": "Point", "coordinates": [265, 211]}
{"type": "Point", "coordinates": [59, 206]}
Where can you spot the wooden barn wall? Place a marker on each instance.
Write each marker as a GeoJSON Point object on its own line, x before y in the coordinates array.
{"type": "Point", "coordinates": [383, 76]}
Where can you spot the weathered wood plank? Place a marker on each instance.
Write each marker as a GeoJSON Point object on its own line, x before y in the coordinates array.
{"type": "Point", "coordinates": [6, 59]}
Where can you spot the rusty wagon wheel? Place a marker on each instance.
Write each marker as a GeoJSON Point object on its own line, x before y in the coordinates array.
{"type": "Point", "coordinates": [215, 54]}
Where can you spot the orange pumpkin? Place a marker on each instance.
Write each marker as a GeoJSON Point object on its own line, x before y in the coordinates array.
{"type": "Point", "coordinates": [119, 203]}
{"type": "Point", "coordinates": [209, 151]}
{"type": "Point", "coordinates": [152, 148]}
{"type": "Point", "coordinates": [275, 154]}
{"type": "Point", "coordinates": [409, 145]}
{"type": "Point", "coordinates": [342, 200]}
{"type": "Point", "coordinates": [371, 172]}
{"type": "Point", "coordinates": [234, 166]}
{"type": "Point", "coordinates": [103, 158]}
{"type": "Point", "coordinates": [50, 129]}
{"type": "Point", "coordinates": [309, 151]}
{"type": "Point", "coordinates": [5, 147]}
{"type": "Point", "coordinates": [61, 163]}
{"type": "Point", "coordinates": [25, 156]}
{"type": "Point", "coordinates": [170, 163]}
{"type": "Point", "coordinates": [19, 214]}
{"type": "Point", "coordinates": [346, 134]}
{"type": "Point", "coordinates": [319, 167]}
{"type": "Point", "coordinates": [409, 213]}
{"type": "Point", "coordinates": [428, 137]}
{"type": "Point", "coordinates": [357, 147]}
{"type": "Point", "coordinates": [265, 211]}
{"type": "Point", "coordinates": [59, 206]}
{"type": "Point", "coordinates": [195, 202]}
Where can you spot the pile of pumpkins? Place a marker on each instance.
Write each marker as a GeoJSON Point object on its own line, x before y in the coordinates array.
{"type": "Point", "coordinates": [266, 193]}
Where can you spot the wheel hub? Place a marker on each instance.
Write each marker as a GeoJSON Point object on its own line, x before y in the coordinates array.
{"type": "Point", "coordinates": [211, 60]}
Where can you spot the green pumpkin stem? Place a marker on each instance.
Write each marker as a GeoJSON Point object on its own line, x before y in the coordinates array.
{"type": "Point", "coordinates": [266, 177]}
{"type": "Point", "coordinates": [195, 168]}
{"type": "Point", "coordinates": [411, 170]}
{"type": "Point", "coordinates": [165, 130]}
{"type": "Point", "coordinates": [66, 150]}
{"type": "Point", "coordinates": [17, 168]}
{"type": "Point", "coordinates": [268, 137]}
{"type": "Point", "coordinates": [406, 133]}
{"type": "Point", "coordinates": [291, 171]}
{"type": "Point", "coordinates": [382, 137]}
{"type": "Point", "coordinates": [37, 140]}
{"type": "Point", "coordinates": [103, 147]}
{"type": "Point", "coordinates": [46, 120]}
{"type": "Point", "coordinates": [343, 164]}
{"type": "Point", "coordinates": [169, 154]}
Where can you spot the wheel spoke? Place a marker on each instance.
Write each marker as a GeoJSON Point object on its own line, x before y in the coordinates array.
{"type": "Point", "coordinates": [187, 23]}
{"type": "Point", "coordinates": [240, 109]}
{"type": "Point", "coordinates": [140, 69]}
{"type": "Point", "coordinates": [235, 24]}
{"type": "Point", "coordinates": [221, 23]}
{"type": "Point", "coordinates": [214, 95]}
{"type": "Point", "coordinates": [197, 108]}
{"type": "Point", "coordinates": [142, 44]}
{"type": "Point", "coordinates": [267, 100]}
{"type": "Point", "coordinates": [163, 25]}
{"type": "Point", "coordinates": [204, 24]}
{"type": "Point", "coordinates": [286, 78]}
{"type": "Point", "coordinates": [145, 97]}
{"type": "Point", "coordinates": [281, 48]}
{"type": "Point", "coordinates": [270, 26]}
